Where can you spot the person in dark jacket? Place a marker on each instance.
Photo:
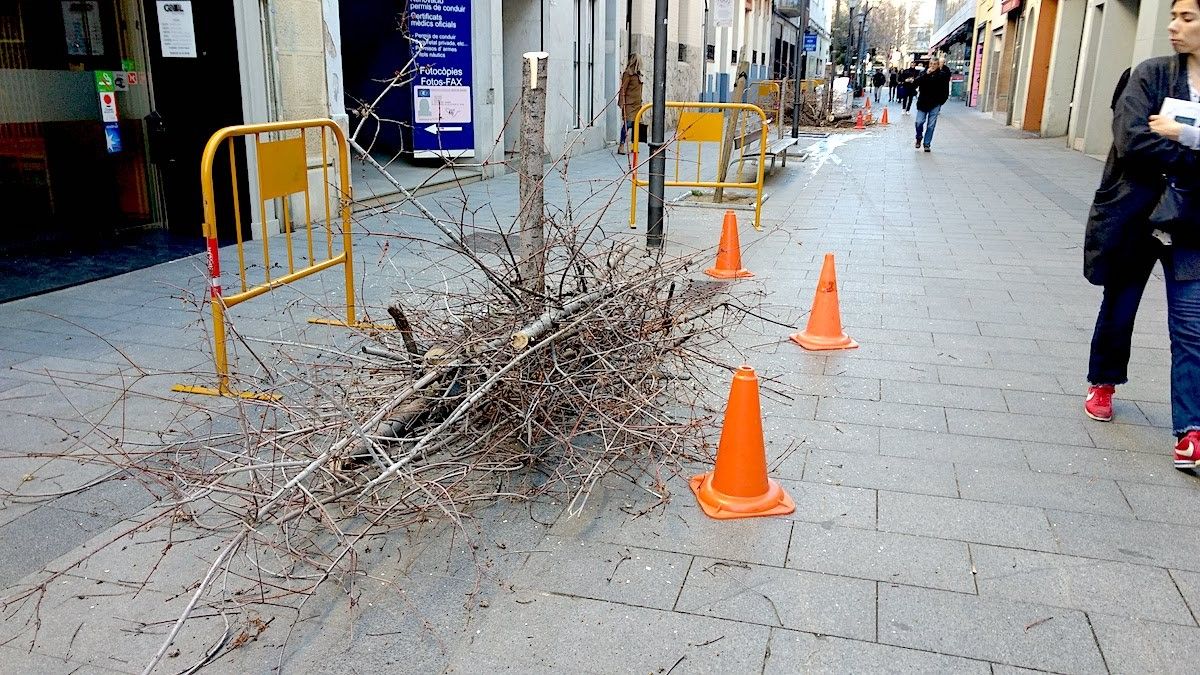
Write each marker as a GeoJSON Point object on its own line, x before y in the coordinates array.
{"type": "Point", "coordinates": [933, 88]}
{"type": "Point", "coordinates": [1121, 248]}
{"type": "Point", "coordinates": [908, 86]}
{"type": "Point", "coordinates": [878, 80]}
{"type": "Point", "coordinates": [893, 85]}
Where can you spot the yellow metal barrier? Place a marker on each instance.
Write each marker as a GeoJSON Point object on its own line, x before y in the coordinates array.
{"type": "Point", "coordinates": [699, 128]}
{"type": "Point", "coordinates": [282, 160]}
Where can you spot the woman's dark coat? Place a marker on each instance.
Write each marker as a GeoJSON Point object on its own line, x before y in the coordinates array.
{"type": "Point", "coordinates": [1133, 181]}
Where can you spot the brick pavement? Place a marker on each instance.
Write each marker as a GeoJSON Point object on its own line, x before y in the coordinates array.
{"type": "Point", "coordinates": [956, 511]}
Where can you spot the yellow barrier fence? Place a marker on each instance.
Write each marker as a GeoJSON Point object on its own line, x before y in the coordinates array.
{"type": "Point", "coordinates": [696, 126]}
{"type": "Point", "coordinates": [281, 151]}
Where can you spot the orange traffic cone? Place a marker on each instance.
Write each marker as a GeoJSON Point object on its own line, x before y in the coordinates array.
{"type": "Point", "coordinates": [738, 486]}
{"type": "Point", "coordinates": [858, 123]}
{"type": "Point", "coordinates": [824, 329]}
{"type": "Point", "coordinates": [883, 121]}
{"type": "Point", "coordinates": [729, 252]}
{"type": "Point", "coordinates": [868, 103]}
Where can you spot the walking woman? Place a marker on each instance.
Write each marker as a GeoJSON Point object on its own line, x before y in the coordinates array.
{"type": "Point", "coordinates": [1149, 153]}
{"type": "Point", "coordinates": [629, 97]}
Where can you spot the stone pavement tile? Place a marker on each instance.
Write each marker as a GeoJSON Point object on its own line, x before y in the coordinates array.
{"type": "Point", "coordinates": [820, 435]}
{"type": "Point", "coordinates": [786, 598]}
{"type": "Point", "coordinates": [965, 520]}
{"type": "Point", "coordinates": [883, 414]}
{"type": "Point", "coordinates": [543, 633]}
{"type": "Point", "coordinates": [1189, 585]}
{"type": "Point", "coordinates": [991, 343]}
{"type": "Point", "coordinates": [1119, 465]}
{"type": "Point", "coordinates": [1136, 646]}
{"type": "Point", "coordinates": [1135, 437]}
{"type": "Point", "coordinates": [839, 387]}
{"type": "Point", "coordinates": [944, 447]}
{"type": "Point", "coordinates": [874, 368]}
{"type": "Point", "coordinates": [796, 652]}
{"type": "Point", "coordinates": [892, 336]}
{"type": "Point", "coordinates": [831, 504]}
{"type": "Point", "coordinates": [883, 556]}
{"type": "Point", "coordinates": [942, 326]}
{"type": "Point", "coordinates": [1018, 634]}
{"type": "Point", "coordinates": [1163, 503]}
{"type": "Point", "coordinates": [1079, 583]}
{"type": "Point", "coordinates": [681, 527]}
{"type": "Point", "coordinates": [62, 661]}
{"type": "Point", "coordinates": [999, 378]}
{"type": "Point", "coordinates": [944, 395]}
{"type": "Point", "coordinates": [1048, 490]}
{"type": "Point", "coordinates": [1068, 406]}
{"type": "Point", "coordinates": [1016, 427]}
{"type": "Point", "coordinates": [632, 576]}
{"type": "Point", "coordinates": [1157, 414]}
{"type": "Point", "coordinates": [881, 472]}
{"type": "Point", "coordinates": [1126, 540]}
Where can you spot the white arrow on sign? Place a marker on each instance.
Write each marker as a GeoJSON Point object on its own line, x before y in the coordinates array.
{"type": "Point", "coordinates": [434, 129]}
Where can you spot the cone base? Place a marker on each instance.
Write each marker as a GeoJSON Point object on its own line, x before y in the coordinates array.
{"type": "Point", "coordinates": [775, 502]}
{"type": "Point", "coordinates": [729, 274]}
{"type": "Point", "coordinates": [818, 343]}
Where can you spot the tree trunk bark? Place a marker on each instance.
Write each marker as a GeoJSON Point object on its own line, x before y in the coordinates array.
{"type": "Point", "coordinates": [531, 167]}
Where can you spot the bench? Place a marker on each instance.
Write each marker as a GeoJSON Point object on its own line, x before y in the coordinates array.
{"type": "Point", "coordinates": [776, 147]}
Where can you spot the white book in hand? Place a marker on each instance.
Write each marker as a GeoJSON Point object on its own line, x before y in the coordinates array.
{"type": "Point", "coordinates": [1184, 112]}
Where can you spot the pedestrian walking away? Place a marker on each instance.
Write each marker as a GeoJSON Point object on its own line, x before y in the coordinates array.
{"type": "Point", "coordinates": [878, 80]}
{"type": "Point", "coordinates": [893, 85]}
{"type": "Point", "coordinates": [629, 97]}
{"type": "Point", "coordinates": [933, 88]}
{"type": "Point", "coordinates": [1150, 154]}
{"type": "Point", "coordinates": [908, 87]}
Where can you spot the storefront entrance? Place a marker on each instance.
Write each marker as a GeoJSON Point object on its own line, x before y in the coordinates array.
{"type": "Point", "coordinates": [101, 133]}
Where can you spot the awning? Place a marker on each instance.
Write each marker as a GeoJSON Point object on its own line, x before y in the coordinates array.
{"type": "Point", "coordinates": [955, 26]}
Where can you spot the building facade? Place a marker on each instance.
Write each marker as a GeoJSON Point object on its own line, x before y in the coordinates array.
{"type": "Point", "coordinates": [105, 107]}
{"type": "Point", "coordinates": [1050, 66]}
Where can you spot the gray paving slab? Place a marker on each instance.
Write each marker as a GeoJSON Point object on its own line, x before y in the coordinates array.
{"type": "Point", "coordinates": [536, 632]}
{"type": "Point", "coordinates": [1017, 427]}
{"type": "Point", "coordinates": [793, 651]}
{"type": "Point", "coordinates": [625, 574]}
{"type": "Point", "coordinates": [881, 472]}
{"type": "Point", "coordinates": [1093, 586]}
{"type": "Point", "coordinates": [1119, 465]}
{"type": "Point", "coordinates": [1162, 503]}
{"type": "Point", "coordinates": [883, 556]}
{"type": "Point", "coordinates": [1126, 540]}
{"type": "Point", "coordinates": [785, 598]}
{"type": "Point", "coordinates": [1011, 633]}
{"type": "Point", "coordinates": [1188, 584]}
{"type": "Point", "coordinates": [1136, 646]}
{"type": "Point", "coordinates": [945, 395]}
{"type": "Point", "coordinates": [944, 447]}
{"type": "Point", "coordinates": [1056, 491]}
{"type": "Point", "coordinates": [831, 504]}
{"type": "Point", "coordinates": [965, 520]}
{"type": "Point", "coordinates": [882, 413]}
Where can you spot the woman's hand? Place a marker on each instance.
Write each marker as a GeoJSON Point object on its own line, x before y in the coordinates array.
{"type": "Point", "coordinates": [1165, 127]}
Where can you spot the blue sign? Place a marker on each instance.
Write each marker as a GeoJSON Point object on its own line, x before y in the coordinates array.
{"type": "Point", "coordinates": [810, 42]}
{"type": "Point", "coordinates": [440, 43]}
{"type": "Point", "coordinates": [112, 137]}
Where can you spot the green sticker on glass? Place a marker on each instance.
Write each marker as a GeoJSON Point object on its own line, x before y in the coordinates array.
{"type": "Point", "coordinates": [127, 65]}
{"type": "Point", "coordinates": [104, 81]}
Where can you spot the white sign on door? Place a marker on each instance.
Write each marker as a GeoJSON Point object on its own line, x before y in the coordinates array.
{"type": "Point", "coordinates": [108, 106]}
{"type": "Point", "coordinates": [176, 33]}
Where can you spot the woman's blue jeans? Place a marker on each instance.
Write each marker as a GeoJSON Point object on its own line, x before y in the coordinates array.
{"type": "Point", "coordinates": [1111, 340]}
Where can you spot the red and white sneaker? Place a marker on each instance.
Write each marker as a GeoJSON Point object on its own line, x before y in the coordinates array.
{"type": "Point", "coordinates": [1187, 451]}
{"type": "Point", "coordinates": [1098, 404]}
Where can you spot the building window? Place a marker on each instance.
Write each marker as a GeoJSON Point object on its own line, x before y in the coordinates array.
{"type": "Point", "coordinates": [585, 61]}
{"type": "Point", "coordinates": [710, 53]}
{"type": "Point", "coordinates": [733, 56]}
{"type": "Point", "coordinates": [754, 57]}
{"type": "Point", "coordinates": [682, 53]}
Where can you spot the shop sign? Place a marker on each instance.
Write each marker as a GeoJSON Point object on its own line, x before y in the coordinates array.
{"type": "Point", "coordinates": [108, 106]}
{"type": "Point", "coordinates": [810, 42]}
{"type": "Point", "coordinates": [1009, 5]}
{"type": "Point", "coordinates": [440, 43]}
{"type": "Point", "coordinates": [176, 31]}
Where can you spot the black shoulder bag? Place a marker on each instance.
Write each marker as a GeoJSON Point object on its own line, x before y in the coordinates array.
{"type": "Point", "coordinates": [1178, 204]}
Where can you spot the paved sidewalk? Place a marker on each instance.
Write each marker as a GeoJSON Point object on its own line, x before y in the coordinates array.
{"type": "Point", "coordinates": [956, 510]}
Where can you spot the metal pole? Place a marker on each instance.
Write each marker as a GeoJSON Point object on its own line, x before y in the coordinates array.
{"type": "Point", "coordinates": [704, 55]}
{"type": "Point", "coordinates": [801, 66]}
{"type": "Point", "coordinates": [658, 119]}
